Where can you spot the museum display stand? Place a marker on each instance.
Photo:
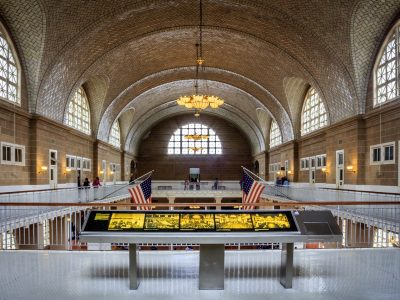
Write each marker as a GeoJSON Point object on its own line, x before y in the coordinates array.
{"type": "Point", "coordinates": [211, 230]}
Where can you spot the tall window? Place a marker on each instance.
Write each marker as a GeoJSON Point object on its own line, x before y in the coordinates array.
{"type": "Point", "coordinates": [78, 113]}
{"type": "Point", "coordinates": [8, 71]}
{"type": "Point", "coordinates": [180, 144]}
{"type": "Point", "coordinates": [275, 137]}
{"type": "Point", "coordinates": [386, 72]}
{"type": "Point", "coordinates": [115, 135]}
{"type": "Point", "coordinates": [313, 115]}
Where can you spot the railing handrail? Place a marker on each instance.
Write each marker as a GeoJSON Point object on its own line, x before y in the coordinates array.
{"type": "Point", "coordinates": [269, 204]}
{"type": "Point", "coordinates": [57, 189]}
{"type": "Point", "coordinates": [361, 191]}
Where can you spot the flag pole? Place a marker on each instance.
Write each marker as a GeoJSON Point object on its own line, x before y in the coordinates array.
{"type": "Point", "coordinates": [124, 186]}
{"type": "Point", "coordinates": [266, 182]}
{"type": "Point", "coordinates": [255, 175]}
{"type": "Point", "coordinates": [151, 172]}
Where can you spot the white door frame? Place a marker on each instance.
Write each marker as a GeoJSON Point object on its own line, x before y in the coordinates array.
{"type": "Point", "coordinates": [53, 164]}
{"type": "Point", "coordinates": [113, 168]}
{"type": "Point", "coordinates": [339, 169]}
{"type": "Point", "coordinates": [286, 167]}
{"type": "Point", "coordinates": [312, 168]}
{"type": "Point", "coordinates": [79, 168]}
{"type": "Point", "coordinates": [104, 170]}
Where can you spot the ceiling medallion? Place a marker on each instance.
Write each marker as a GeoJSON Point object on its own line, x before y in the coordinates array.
{"type": "Point", "coordinates": [196, 101]}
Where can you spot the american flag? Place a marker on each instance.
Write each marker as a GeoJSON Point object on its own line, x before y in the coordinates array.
{"type": "Point", "coordinates": [141, 193]}
{"type": "Point", "coordinates": [251, 191]}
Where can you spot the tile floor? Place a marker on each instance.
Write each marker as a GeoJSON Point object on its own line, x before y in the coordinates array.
{"type": "Point", "coordinates": [319, 274]}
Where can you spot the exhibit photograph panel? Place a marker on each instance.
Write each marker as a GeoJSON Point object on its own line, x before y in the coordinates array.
{"type": "Point", "coordinates": [131, 221]}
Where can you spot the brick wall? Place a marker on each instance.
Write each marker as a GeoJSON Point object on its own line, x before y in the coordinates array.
{"type": "Point", "coordinates": [287, 151]}
{"type": "Point", "coordinates": [354, 136]}
{"type": "Point", "coordinates": [153, 152]}
{"type": "Point", "coordinates": [11, 174]}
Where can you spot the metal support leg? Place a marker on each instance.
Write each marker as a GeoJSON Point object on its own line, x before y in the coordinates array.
{"type": "Point", "coordinates": [133, 267]}
{"type": "Point", "coordinates": [212, 263]}
{"type": "Point", "coordinates": [287, 265]}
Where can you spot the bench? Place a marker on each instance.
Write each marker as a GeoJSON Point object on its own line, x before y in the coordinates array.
{"type": "Point", "coordinates": [134, 227]}
{"type": "Point", "coordinates": [164, 187]}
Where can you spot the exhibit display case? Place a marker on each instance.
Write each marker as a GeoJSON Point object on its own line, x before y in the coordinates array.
{"type": "Point", "coordinates": [211, 230]}
{"type": "Point", "coordinates": [232, 221]}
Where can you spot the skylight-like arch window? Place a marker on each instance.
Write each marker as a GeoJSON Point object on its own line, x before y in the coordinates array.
{"type": "Point", "coordinates": [78, 113]}
{"type": "Point", "coordinates": [205, 141]}
{"type": "Point", "coordinates": [115, 135]}
{"type": "Point", "coordinates": [313, 115]}
{"type": "Point", "coordinates": [9, 70]}
{"type": "Point", "coordinates": [275, 137]}
{"type": "Point", "coordinates": [387, 69]}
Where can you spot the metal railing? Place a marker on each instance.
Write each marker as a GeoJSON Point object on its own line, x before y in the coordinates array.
{"type": "Point", "coordinates": [57, 225]}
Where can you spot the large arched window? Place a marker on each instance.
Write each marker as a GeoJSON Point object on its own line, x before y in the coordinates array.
{"type": "Point", "coordinates": [9, 73]}
{"type": "Point", "coordinates": [387, 69]}
{"type": "Point", "coordinates": [313, 115]}
{"type": "Point", "coordinates": [275, 137]}
{"type": "Point", "coordinates": [78, 113]}
{"type": "Point", "coordinates": [205, 141]}
{"type": "Point", "coordinates": [115, 135]}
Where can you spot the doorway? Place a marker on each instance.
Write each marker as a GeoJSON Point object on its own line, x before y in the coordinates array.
{"type": "Point", "coordinates": [133, 169]}
{"type": "Point", "coordinates": [256, 167]}
{"type": "Point", "coordinates": [339, 168]}
{"type": "Point", "coordinates": [312, 169]}
{"type": "Point", "coordinates": [114, 171]}
{"type": "Point", "coordinates": [103, 171]}
{"type": "Point", "coordinates": [53, 169]}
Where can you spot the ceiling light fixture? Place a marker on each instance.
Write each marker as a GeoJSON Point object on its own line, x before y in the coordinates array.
{"type": "Point", "coordinates": [196, 137]}
{"type": "Point", "coordinates": [196, 101]}
{"type": "Point", "coordinates": [195, 149]}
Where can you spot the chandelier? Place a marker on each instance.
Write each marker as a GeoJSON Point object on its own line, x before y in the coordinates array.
{"type": "Point", "coordinates": [197, 101]}
{"type": "Point", "coordinates": [195, 149]}
{"type": "Point", "coordinates": [196, 137]}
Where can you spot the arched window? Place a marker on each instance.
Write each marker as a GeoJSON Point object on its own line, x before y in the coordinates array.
{"type": "Point", "coordinates": [78, 113]}
{"type": "Point", "coordinates": [313, 115]}
{"type": "Point", "coordinates": [275, 137]}
{"type": "Point", "coordinates": [203, 140]}
{"type": "Point", "coordinates": [9, 73]}
{"type": "Point", "coordinates": [115, 135]}
{"type": "Point", "coordinates": [387, 68]}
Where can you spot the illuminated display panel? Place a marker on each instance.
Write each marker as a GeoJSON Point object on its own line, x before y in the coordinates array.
{"type": "Point", "coordinates": [229, 222]}
{"type": "Point", "coordinates": [126, 221]}
{"type": "Point", "coordinates": [197, 222]}
{"type": "Point", "coordinates": [161, 221]}
{"type": "Point", "coordinates": [266, 222]}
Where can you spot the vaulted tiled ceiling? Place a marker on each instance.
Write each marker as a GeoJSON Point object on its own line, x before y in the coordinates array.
{"type": "Point", "coordinates": [140, 55]}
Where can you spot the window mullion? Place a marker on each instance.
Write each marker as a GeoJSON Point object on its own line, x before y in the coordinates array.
{"type": "Point", "coordinates": [397, 59]}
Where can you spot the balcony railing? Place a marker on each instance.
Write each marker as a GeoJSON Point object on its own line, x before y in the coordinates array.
{"type": "Point", "coordinates": [57, 225]}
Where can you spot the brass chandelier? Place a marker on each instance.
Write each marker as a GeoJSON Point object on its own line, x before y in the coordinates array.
{"type": "Point", "coordinates": [196, 137]}
{"type": "Point", "coordinates": [195, 149]}
{"type": "Point", "coordinates": [196, 101]}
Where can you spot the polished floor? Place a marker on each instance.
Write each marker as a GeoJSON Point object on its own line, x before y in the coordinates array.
{"type": "Point", "coordinates": [319, 274]}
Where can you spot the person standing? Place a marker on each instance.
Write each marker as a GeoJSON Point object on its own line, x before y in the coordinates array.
{"type": "Point", "coordinates": [96, 182]}
{"type": "Point", "coordinates": [86, 183]}
{"type": "Point", "coordinates": [186, 187]}
{"type": "Point", "coordinates": [86, 186]}
{"type": "Point", "coordinates": [216, 184]}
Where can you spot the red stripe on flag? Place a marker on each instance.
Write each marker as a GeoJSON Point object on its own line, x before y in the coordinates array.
{"type": "Point", "coordinates": [253, 196]}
